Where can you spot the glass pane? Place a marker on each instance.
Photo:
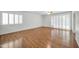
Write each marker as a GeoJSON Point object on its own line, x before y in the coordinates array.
{"type": "Point", "coordinates": [16, 19]}
{"type": "Point", "coordinates": [4, 18]}
{"type": "Point", "coordinates": [20, 19]}
{"type": "Point", "coordinates": [11, 19]}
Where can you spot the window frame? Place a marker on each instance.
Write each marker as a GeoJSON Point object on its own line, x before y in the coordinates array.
{"type": "Point", "coordinates": [11, 17]}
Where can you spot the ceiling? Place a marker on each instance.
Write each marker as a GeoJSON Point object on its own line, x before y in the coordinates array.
{"type": "Point", "coordinates": [36, 12]}
{"type": "Point", "coordinates": [45, 12]}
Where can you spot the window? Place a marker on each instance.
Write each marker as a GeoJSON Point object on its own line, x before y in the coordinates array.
{"type": "Point", "coordinates": [5, 18]}
{"type": "Point", "coordinates": [20, 19]}
{"type": "Point", "coordinates": [16, 19]}
{"type": "Point", "coordinates": [11, 18]}
{"type": "Point", "coordinates": [61, 21]}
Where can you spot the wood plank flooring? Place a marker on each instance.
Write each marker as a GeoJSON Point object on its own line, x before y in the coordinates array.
{"type": "Point", "coordinates": [50, 38]}
{"type": "Point", "coordinates": [37, 38]}
{"type": "Point", "coordinates": [43, 37]}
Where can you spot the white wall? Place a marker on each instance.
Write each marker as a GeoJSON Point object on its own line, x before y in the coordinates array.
{"type": "Point", "coordinates": [30, 20]}
{"type": "Point", "coordinates": [46, 21]}
{"type": "Point", "coordinates": [77, 21]}
{"type": "Point", "coordinates": [77, 26]}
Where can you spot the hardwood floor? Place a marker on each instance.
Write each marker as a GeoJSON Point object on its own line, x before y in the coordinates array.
{"type": "Point", "coordinates": [63, 38]}
{"type": "Point", "coordinates": [44, 37]}
{"type": "Point", "coordinates": [50, 38]}
{"type": "Point", "coordinates": [38, 38]}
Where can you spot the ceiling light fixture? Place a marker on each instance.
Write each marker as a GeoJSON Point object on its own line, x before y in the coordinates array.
{"type": "Point", "coordinates": [50, 12]}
